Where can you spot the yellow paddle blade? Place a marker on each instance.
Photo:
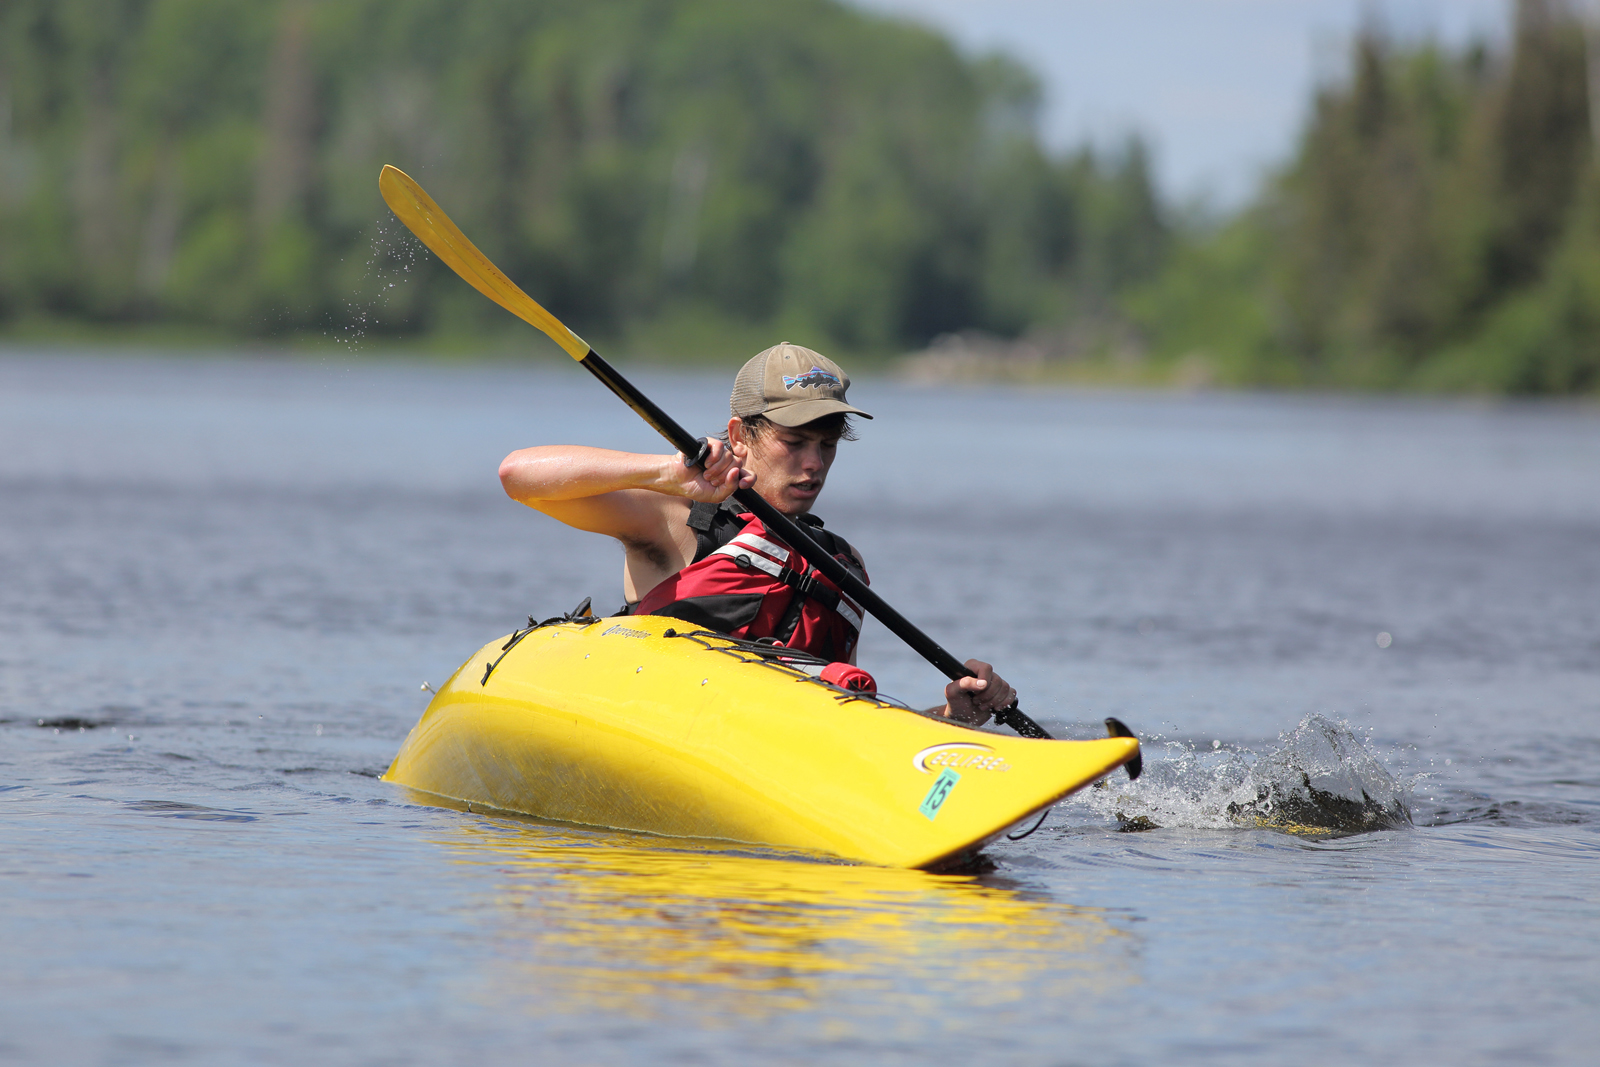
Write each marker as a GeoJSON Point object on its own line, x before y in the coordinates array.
{"type": "Point", "coordinates": [433, 227]}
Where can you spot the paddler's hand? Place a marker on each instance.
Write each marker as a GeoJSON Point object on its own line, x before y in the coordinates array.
{"type": "Point", "coordinates": [973, 700]}
{"type": "Point", "coordinates": [716, 480]}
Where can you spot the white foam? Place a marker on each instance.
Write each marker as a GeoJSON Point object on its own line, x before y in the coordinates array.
{"type": "Point", "coordinates": [1321, 775]}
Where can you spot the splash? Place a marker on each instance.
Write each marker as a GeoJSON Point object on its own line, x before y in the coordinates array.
{"type": "Point", "coordinates": [393, 253]}
{"type": "Point", "coordinates": [1321, 779]}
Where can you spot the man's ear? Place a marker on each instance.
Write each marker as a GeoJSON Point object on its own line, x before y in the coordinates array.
{"type": "Point", "coordinates": [736, 434]}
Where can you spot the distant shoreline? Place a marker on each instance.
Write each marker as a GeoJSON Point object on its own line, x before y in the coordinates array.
{"type": "Point", "coordinates": [933, 368]}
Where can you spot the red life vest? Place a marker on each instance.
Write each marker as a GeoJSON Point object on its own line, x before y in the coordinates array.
{"type": "Point", "coordinates": [747, 584]}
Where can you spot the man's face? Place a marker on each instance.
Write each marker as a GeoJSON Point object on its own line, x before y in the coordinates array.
{"type": "Point", "coordinates": [790, 464]}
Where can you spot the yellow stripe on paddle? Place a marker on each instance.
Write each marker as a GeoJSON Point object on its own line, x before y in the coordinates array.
{"type": "Point", "coordinates": [433, 227]}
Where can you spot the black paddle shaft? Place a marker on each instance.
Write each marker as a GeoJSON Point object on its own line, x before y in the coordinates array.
{"type": "Point", "coordinates": [791, 532]}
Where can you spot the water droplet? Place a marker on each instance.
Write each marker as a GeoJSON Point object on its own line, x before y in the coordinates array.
{"type": "Point", "coordinates": [1215, 745]}
{"type": "Point", "coordinates": [1384, 640]}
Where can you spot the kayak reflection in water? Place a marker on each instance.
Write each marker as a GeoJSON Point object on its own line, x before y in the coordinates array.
{"type": "Point", "coordinates": [693, 554]}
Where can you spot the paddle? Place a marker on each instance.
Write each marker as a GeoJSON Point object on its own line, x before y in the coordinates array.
{"type": "Point", "coordinates": [433, 227]}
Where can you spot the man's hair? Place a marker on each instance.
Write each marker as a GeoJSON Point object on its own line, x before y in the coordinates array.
{"type": "Point", "coordinates": [758, 426]}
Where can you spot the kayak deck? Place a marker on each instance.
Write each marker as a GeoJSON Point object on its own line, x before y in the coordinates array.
{"type": "Point", "coordinates": [635, 723]}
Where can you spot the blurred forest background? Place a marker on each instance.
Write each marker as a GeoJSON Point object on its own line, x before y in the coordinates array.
{"type": "Point", "coordinates": [681, 178]}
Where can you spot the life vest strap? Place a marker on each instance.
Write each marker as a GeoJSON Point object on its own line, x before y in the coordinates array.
{"type": "Point", "coordinates": [747, 551]}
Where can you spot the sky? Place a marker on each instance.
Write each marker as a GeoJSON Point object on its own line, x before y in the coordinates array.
{"type": "Point", "coordinates": [1218, 88]}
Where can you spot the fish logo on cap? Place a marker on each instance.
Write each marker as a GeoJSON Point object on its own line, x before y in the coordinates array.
{"type": "Point", "coordinates": [814, 376]}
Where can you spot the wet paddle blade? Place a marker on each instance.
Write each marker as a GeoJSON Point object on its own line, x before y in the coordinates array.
{"type": "Point", "coordinates": [1118, 728]}
{"type": "Point", "coordinates": [433, 227]}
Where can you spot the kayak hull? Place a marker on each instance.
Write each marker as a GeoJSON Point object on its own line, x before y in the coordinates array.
{"type": "Point", "coordinates": [628, 723]}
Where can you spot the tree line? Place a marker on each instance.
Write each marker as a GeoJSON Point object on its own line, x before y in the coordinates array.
{"type": "Point", "coordinates": [674, 174]}
{"type": "Point", "coordinates": [798, 166]}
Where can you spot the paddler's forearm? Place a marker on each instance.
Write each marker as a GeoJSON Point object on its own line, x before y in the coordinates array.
{"type": "Point", "coordinates": [573, 472]}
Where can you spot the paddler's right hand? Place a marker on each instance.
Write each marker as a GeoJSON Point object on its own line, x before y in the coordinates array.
{"type": "Point", "coordinates": [714, 481]}
{"type": "Point", "coordinates": [972, 700]}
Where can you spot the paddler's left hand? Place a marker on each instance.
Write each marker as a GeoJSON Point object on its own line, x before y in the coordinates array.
{"type": "Point", "coordinates": [973, 700]}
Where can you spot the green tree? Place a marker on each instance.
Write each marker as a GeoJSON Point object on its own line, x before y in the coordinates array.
{"type": "Point", "coordinates": [1436, 228]}
{"type": "Point", "coordinates": [797, 166]}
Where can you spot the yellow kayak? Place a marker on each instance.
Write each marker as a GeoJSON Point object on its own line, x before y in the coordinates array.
{"type": "Point", "coordinates": [641, 723]}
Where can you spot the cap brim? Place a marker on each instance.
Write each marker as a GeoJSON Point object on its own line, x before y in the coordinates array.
{"type": "Point", "coordinates": [803, 411]}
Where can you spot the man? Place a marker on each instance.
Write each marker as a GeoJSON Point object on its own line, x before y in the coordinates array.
{"type": "Point", "coordinates": [689, 556]}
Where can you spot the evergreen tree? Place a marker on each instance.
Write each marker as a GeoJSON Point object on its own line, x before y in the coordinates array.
{"type": "Point", "coordinates": [1439, 226]}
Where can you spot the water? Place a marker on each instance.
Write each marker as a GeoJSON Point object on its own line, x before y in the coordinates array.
{"type": "Point", "coordinates": [222, 583]}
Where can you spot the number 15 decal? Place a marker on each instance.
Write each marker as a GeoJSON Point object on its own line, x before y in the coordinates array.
{"type": "Point", "coordinates": [939, 793]}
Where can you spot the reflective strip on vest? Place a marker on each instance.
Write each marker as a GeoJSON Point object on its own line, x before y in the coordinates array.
{"type": "Point", "coordinates": [761, 544]}
{"type": "Point", "coordinates": [850, 612]}
{"type": "Point", "coordinates": [744, 555]}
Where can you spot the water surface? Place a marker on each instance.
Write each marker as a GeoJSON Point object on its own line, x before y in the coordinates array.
{"type": "Point", "coordinates": [222, 582]}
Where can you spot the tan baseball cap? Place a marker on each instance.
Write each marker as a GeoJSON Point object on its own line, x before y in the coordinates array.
{"type": "Point", "coordinates": [791, 386]}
